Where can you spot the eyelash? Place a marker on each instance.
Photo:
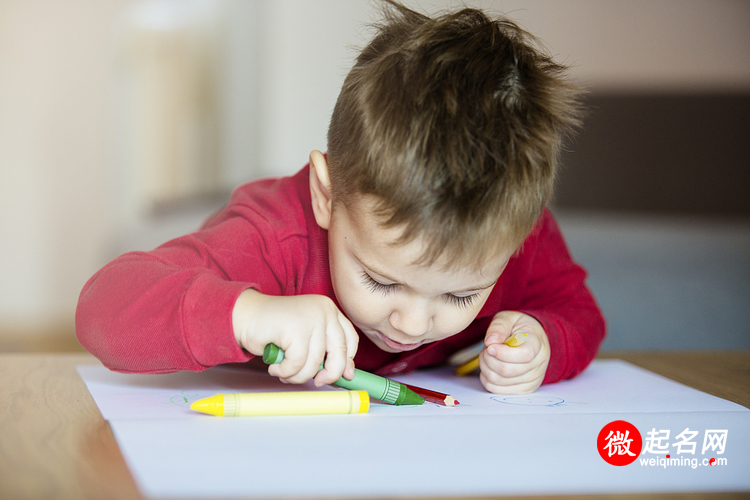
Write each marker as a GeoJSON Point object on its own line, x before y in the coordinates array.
{"type": "Point", "coordinates": [375, 286]}
{"type": "Point", "coordinates": [462, 301]}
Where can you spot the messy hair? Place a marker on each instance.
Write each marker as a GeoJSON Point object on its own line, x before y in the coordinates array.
{"type": "Point", "coordinates": [454, 124]}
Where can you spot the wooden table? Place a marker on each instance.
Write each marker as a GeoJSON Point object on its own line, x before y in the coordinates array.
{"type": "Point", "coordinates": [54, 443]}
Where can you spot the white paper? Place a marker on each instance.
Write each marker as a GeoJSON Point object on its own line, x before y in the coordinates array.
{"type": "Point", "coordinates": [543, 443]}
{"type": "Point", "coordinates": [607, 386]}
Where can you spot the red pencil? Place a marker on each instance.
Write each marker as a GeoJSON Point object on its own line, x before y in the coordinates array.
{"type": "Point", "coordinates": [434, 397]}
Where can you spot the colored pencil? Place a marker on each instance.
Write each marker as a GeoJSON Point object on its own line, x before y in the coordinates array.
{"type": "Point", "coordinates": [434, 396]}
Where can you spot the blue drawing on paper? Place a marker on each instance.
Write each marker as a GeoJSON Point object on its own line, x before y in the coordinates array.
{"type": "Point", "coordinates": [549, 401]}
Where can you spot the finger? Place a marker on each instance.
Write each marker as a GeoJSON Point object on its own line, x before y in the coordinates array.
{"type": "Point", "coordinates": [335, 356]}
{"type": "Point", "coordinates": [316, 354]}
{"type": "Point", "coordinates": [528, 381]}
{"type": "Point", "coordinates": [294, 360]}
{"type": "Point", "coordinates": [498, 373]}
{"type": "Point", "coordinates": [501, 327]}
{"type": "Point", "coordinates": [520, 388]}
{"type": "Point", "coordinates": [342, 347]}
{"type": "Point", "coordinates": [502, 369]}
{"type": "Point", "coordinates": [311, 356]}
{"type": "Point", "coordinates": [352, 339]}
{"type": "Point", "coordinates": [508, 375]}
{"type": "Point", "coordinates": [352, 343]}
{"type": "Point", "coordinates": [349, 370]}
{"type": "Point", "coordinates": [522, 354]}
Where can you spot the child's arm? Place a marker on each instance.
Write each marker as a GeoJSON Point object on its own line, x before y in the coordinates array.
{"type": "Point", "coordinates": [161, 311]}
{"type": "Point", "coordinates": [309, 328]}
{"type": "Point", "coordinates": [173, 308]}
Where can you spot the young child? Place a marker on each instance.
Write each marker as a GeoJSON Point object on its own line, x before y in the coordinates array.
{"type": "Point", "coordinates": [421, 232]}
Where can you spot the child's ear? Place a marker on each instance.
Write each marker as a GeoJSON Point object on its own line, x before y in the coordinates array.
{"type": "Point", "coordinates": [320, 189]}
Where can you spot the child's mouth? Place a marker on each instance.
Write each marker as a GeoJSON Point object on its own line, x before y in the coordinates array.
{"type": "Point", "coordinates": [398, 345]}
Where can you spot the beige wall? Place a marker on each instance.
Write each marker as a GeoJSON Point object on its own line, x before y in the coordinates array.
{"type": "Point", "coordinates": [61, 199]}
{"type": "Point", "coordinates": [55, 154]}
{"type": "Point", "coordinates": [613, 44]}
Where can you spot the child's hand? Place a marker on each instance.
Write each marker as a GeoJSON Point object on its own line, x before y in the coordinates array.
{"type": "Point", "coordinates": [309, 328]}
{"type": "Point", "coordinates": [514, 370]}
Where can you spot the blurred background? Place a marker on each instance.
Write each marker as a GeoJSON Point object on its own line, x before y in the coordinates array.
{"type": "Point", "coordinates": [125, 123]}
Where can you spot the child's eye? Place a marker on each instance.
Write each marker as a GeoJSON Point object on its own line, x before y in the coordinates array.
{"type": "Point", "coordinates": [376, 286]}
{"type": "Point", "coordinates": [462, 301]}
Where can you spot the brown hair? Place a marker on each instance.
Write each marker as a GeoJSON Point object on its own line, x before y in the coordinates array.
{"type": "Point", "coordinates": [454, 124]}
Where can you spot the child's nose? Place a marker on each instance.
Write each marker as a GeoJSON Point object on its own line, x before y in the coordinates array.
{"type": "Point", "coordinates": [411, 320]}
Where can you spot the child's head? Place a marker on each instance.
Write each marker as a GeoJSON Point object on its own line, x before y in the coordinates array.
{"type": "Point", "coordinates": [453, 124]}
{"type": "Point", "coordinates": [441, 156]}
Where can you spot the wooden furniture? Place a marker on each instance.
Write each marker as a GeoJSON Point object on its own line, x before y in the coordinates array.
{"type": "Point", "coordinates": [54, 443]}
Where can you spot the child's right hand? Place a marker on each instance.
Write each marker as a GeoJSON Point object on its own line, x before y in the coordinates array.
{"type": "Point", "coordinates": [309, 328]}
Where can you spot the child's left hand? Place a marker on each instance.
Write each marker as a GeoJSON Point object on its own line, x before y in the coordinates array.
{"type": "Point", "coordinates": [514, 370]}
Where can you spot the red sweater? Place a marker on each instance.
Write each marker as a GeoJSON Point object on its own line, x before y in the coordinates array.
{"type": "Point", "coordinates": [171, 309]}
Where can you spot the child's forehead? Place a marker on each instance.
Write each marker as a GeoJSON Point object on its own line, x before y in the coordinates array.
{"type": "Point", "coordinates": [371, 237]}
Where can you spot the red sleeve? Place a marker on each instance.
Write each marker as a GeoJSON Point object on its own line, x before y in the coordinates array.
{"type": "Point", "coordinates": [557, 296]}
{"type": "Point", "coordinates": [171, 309]}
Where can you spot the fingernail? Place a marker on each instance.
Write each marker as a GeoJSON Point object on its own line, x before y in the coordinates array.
{"type": "Point", "coordinates": [491, 351]}
{"type": "Point", "coordinates": [492, 339]}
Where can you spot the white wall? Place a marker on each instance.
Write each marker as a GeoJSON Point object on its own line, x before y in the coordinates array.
{"type": "Point", "coordinates": [59, 185]}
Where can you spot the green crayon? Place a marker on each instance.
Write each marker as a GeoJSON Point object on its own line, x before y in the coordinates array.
{"type": "Point", "coordinates": [386, 390]}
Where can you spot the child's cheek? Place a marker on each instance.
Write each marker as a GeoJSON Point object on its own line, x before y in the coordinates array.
{"type": "Point", "coordinates": [449, 322]}
{"type": "Point", "coordinates": [362, 308]}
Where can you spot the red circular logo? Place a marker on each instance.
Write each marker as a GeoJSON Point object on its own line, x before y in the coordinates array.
{"type": "Point", "coordinates": [619, 443]}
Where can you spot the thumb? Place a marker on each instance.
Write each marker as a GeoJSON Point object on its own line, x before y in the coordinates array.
{"type": "Point", "coordinates": [501, 327]}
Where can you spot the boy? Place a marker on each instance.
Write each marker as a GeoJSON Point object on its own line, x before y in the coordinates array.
{"type": "Point", "coordinates": [422, 231]}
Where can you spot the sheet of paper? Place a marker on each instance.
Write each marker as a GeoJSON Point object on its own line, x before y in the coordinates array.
{"type": "Point", "coordinates": [607, 386]}
{"type": "Point", "coordinates": [541, 443]}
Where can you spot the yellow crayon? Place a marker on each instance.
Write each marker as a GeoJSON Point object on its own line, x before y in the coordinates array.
{"type": "Point", "coordinates": [284, 403]}
{"type": "Point", "coordinates": [468, 367]}
{"type": "Point", "coordinates": [516, 340]}
{"type": "Point", "coordinates": [471, 365]}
